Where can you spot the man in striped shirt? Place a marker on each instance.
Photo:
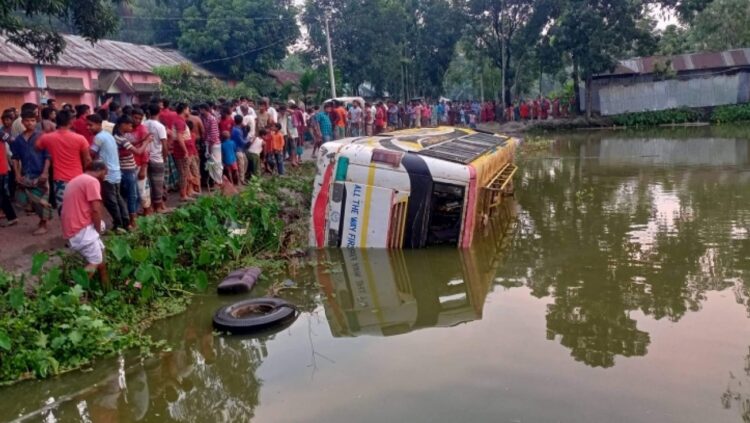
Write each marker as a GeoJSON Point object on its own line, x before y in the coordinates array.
{"type": "Point", "coordinates": [213, 143]}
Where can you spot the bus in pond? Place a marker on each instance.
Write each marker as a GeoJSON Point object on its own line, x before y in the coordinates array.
{"type": "Point", "coordinates": [409, 189]}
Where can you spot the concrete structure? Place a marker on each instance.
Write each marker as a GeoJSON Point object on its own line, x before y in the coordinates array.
{"type": "Point", "coordinates": [85, 73]}
{"type": "Point", "coordinates": [661, 83]}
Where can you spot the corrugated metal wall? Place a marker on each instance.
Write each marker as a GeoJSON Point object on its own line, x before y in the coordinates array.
{"type": "Point", "coordinates": [670, 94]}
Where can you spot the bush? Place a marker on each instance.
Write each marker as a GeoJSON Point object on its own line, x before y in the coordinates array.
{"type": "Point", "coordinates": [69, 321]}
{"type": "Point", "coordinates": [735, 113]}
{"type": "Point", "coordinates": [655, 118]}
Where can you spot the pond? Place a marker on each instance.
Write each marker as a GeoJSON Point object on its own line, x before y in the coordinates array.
{"type": "Point", "coordinates": [613, 288]}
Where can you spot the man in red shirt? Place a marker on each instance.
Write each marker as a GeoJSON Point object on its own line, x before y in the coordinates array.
{"type": "Point", "coordinates": [81, 218]}
{"type": "Point", "coordinates": [339, 131]}
{"type": "Point", "coordinates": [69, 153]}
{"type": "Point", "coordinates": [80, 125]}
{"type": "Point", "coordinates": [140, 138]}
{"type": "Point", "coordinates": [380, 117]}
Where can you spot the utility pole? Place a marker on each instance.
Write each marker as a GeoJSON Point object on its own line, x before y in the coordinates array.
{"type": "Point", "coordinates": [330, 61]}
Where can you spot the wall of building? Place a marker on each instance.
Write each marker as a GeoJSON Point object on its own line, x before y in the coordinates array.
{"type": "Point", "coordinates": [37, 75]}
{"type": "Point", "coordinates": [612, 96]}
{"type": "Point", "coordinates": [86, 75]}
{"type": "Point", "coordinates": [30, 96]}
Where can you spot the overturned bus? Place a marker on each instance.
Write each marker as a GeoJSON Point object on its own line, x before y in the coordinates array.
{"type": "Point", "coordinates": [409, 189]}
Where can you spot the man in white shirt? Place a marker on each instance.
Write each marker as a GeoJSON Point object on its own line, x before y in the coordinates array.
{"type": "Point", "coordinates": [158, 152]}
{"type": "Point", "coordinates": [355, 119]}
{"type": "Point", "coordinates": [271, 110]}
{"type": "Point", "coordinates": [248, 120]}
{"type": "Point", "coordinates": [254, 151]}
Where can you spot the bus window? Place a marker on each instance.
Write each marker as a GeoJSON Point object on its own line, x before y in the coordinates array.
{"type": "Point", "coordinates": [446, 214]}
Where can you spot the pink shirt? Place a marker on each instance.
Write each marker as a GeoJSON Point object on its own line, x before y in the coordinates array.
{"type": "Point", "coordinates": [77, 208]}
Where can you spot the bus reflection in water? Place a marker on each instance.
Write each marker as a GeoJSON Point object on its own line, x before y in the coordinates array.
{"type": "Point", "coordinates": [391, 292]}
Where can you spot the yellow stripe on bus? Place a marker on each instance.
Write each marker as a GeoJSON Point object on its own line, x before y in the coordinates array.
{"type": "Point", "coordinates": [368, 204]}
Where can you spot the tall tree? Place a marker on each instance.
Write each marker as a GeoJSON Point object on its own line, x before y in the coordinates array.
{"type": "Point", "coordinates": [435, 26]}
{"type": "Point", "coordinates": [366, 36]}
{"type": "Point", "coordinates": [722, 25]}
{"type": "Point", "coordinates": [595, 33]}
{"type": "Point", "coordinates": [32, 24]}
{"type": "Point", "coordinates": [504, 30]}
{"type": "Point", "coordinates": [237, 37]}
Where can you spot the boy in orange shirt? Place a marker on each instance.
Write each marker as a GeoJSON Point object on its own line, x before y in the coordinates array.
{"type": "Point", "coordinates": [278, 147]}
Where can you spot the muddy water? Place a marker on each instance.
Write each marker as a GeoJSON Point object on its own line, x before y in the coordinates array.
{"type": "Point", "coordinates": [614, 289]}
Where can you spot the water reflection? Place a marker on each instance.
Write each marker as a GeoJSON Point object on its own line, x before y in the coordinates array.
{"type": "Point", "coordinates": [381, 292]}
{"type": "Point", "coordinates": [201, 379]}
{"type": "Point", "coordinates": [618, 224]}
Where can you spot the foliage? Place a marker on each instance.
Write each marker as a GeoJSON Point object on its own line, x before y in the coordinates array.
{"type": "Point", "coordinates": [674, 40]}
{"type": "Point", "coordinates": [31, 24]}
{"type": "Point", "coordinates": [734, 113]}
{"type": "Point", "coordinates": [70, 321]}
{"type": "Point", "coordinates": [152, 21]}
{"type": "Point", "coordinates": [654, 118]}
{"type": "Point", "coordinates": [502, 31]}
{"type": "Point", "coordinates": [723, 25]}
{"type": "Point", "coordinates": [398, 47]}
{"type": "Point", "coordinates": [238, 37]}
{"type": "Point", "coordinates": [596, 33]}
{"type": "Point", "coordinates": [722, 114]}
{"type": "Point", "coordinates": [181, 83]}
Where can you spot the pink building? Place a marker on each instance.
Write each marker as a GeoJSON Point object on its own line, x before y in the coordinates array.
{"type": "Point", "coordinates": [84, 74]}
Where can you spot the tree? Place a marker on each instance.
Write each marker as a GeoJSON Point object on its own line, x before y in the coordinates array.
{"type": "Point", "coordinates": [238, 37]}
{"type": "Point", "coordinates": [152, 21]}
{"type": "Point", "coordinates": [181, 83]}
{"type": "Point", "coordinates": [594, 34]}
{"type": "Point", "coordinates": [722, 25]}
{"type": "Point", "coordinates": [674, 40]}
{"type": "Point", "coordinates": [31, 25]}
{"type": "Point", "coordinates": [434, 28]}
{"type": "Point", "coordinates": [366, 36]}
{"type": "Point", "coordinates": [504, 30]}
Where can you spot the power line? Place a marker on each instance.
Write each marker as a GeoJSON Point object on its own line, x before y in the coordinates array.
{"type": "Point", "coordinates": [246, 52]}
{"type": "Point", "coordinates": [230, 18]}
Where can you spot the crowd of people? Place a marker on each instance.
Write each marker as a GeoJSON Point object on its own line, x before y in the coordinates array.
{"type": "Point", "coordinates": [75, 161]}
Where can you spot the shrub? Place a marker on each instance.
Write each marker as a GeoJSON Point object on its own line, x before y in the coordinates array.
{"type": "Point", "coordinates": [654, 118]}
{"type": "Point", "coordinates": [734, 113]}
{"type": "Point", "coordinates": [70, 321]}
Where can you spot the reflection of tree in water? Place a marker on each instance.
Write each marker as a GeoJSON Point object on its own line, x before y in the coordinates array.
{"type": "Point", "coordinates": [204, 378]}
{"type": "Point", "coordinates": [737, 394]}
{"type": "Point", "coordinates": [590, 237]}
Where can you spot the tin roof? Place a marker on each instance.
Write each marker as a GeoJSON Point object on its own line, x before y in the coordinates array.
{"type": "Point", "coordinates": [103, 55]}
{"type": "Point", "coordinates": [682, 62]}
{"type": "Point", "coordinates": [284, 77]}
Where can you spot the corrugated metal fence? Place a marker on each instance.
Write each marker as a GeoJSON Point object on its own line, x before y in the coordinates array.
{"type": "Point", "coordinates": [704, 91]}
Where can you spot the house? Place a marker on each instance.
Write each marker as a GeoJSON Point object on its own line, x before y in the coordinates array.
{"type": "Point", "coordinates": [659, 83]}
{"type": "Point", "coordinates": [85, 73]}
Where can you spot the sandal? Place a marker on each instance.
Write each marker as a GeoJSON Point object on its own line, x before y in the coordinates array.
{"type": "Point", "coordinates": [40, 231]}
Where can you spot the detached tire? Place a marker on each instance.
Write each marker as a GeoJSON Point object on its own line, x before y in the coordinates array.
{"type": "Point", "coordinates": [256, 315]}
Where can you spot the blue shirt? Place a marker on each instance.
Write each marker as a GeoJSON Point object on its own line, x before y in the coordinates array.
{"type": "Point", "coordinates": [326, 129]}
{"type": "Point", "coordinates": [106, 146]}
{"type": "Point", "coordinates": [32, 161]}
{"type": "Point", "coordinates": [228, 152]}
{"type": "Point", "coordinates": [238, 137]}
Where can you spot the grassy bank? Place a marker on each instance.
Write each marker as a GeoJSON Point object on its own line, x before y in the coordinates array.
{"type": "Point", "coordinates": [66, 322]}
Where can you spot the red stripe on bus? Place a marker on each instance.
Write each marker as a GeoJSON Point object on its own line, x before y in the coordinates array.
{"type": "Point", "coordinates": [321, 207]}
